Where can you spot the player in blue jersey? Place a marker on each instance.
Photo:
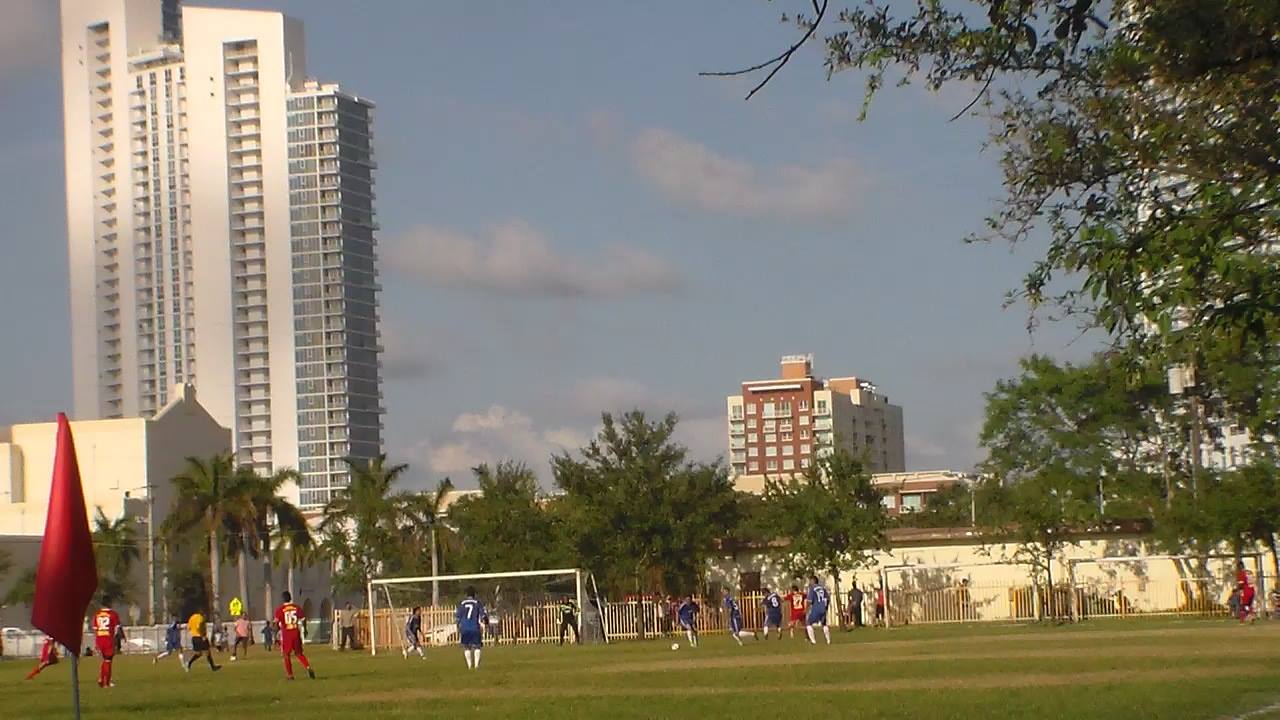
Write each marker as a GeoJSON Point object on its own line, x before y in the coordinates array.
{"type": "Point", "coordinates": [735, 618]}
{"type": "Point", "coordinates": [688, 614]}
{"type": "Point", "coordinates": [469, 616]}
{"type": "Point", "coordinates": [772, 612]}
{"type": "Point", "coordinates": [172, 643]}
{"type": "Point", "coordinates": [818, 600]}
{"type": "Point", "coordinates": [413, 634]}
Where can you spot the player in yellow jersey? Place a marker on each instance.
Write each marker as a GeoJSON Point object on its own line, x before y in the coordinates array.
{"type": "Point", "coordinates": [200, 641]}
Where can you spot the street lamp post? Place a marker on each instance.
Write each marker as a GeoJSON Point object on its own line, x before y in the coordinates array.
{"type": "Point", "coordinates": [149, 521]}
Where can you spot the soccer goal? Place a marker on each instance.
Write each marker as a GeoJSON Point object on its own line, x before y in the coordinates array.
{"type": "Point", "coordinates": [521, 607]}
{"type": "Point", "coordinates": [1159, 584]}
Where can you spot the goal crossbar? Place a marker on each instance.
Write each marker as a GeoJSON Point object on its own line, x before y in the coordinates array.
{"type": "Point", "coordinates": [578, 575]}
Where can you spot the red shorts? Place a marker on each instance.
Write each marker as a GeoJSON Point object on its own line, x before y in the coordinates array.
{"type": "Point", "coordinates": [797, 616]}
{"type": "Point", "coordinates": [1246, 598]}
{"type": "Point", "coordinates": [291, 643]}
{"type": "Point", "coordinates": [106, 647]}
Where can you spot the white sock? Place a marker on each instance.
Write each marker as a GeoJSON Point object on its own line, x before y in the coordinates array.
{"type": "Point", "coordinates": [735, 637]}
{"type": "Point", "coordinates": [826, 632]}
{"type": "Point", "coordinates": [766, 632]}
{"type": "Point", "coordinates": [808, 630]}
{"type": "Point", "coordinates": [476, 653]}
{"type": "Point", "coordinates": [467, 654]}
{"type": "Point", "coordinates": [692, 642]}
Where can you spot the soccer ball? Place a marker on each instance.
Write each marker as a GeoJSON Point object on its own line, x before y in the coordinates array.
{"type": "Point", "coordinates": [675, 646]}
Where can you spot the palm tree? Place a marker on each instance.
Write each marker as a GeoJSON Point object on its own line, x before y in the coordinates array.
{"type": "Point", "coordinates": [209, 490]}
{"type": "Point", "coordinates": [115, 549]}
{"type": "Point", "coordinates": [365, 523]}
{"type": "Point", "coordinates": [428, 509]}
{"type": "Point", "coordinates": [273, 515]}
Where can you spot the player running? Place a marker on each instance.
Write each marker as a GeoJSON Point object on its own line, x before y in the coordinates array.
{"type": "Point", "coordinates": [199, 629]}
{"type": "Point", "coordinates": [413, 634]}
{"type": "Point", "coordinates": [688, 615]}
{"type": "Point", "coordinates": [818, 599]}
{"type": "Point", "coordinates": [735, 618]}
{"type": "Point", "coordinates": [48, 656]}
{"type": "Point", "coordinates": [795, 600]}
{"type": "Point", "coordinates": [172, 642]}
{"type": "Point", "coordinates": [106, 623]}
{"type": "Point", "coordinates": [772, 612]}
{"type": "Point", "coordinates": [468, 616]}
{"type": "Point", "coordinates": [1245, 585]}
{"type": "Point", "coordinates": [290, 618]}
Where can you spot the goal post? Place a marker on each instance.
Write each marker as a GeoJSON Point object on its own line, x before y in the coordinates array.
{"type": "Point", "coordinates": [522, 606]}
{"type": "Point", "coordinates": [1157, 584]}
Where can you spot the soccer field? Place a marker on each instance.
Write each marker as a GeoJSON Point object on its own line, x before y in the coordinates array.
{"type": "Point", "coordinates": [1133, 669]}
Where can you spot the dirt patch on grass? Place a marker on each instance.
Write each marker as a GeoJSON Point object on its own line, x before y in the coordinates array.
{"type": "Point", "coordinates": [974, 682]}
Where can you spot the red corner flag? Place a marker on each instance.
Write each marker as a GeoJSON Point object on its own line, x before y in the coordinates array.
{"type": "Point", "coordinates": [67, 574]}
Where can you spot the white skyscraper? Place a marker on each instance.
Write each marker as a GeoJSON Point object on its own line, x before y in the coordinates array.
{"type": "Point", "coordinates": [220, 231]}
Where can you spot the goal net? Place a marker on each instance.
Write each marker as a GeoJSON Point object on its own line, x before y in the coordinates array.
{"type": "Point", "coordinates": [1161, 584]}
{"type": "Point", "coordinates": [520, 607]}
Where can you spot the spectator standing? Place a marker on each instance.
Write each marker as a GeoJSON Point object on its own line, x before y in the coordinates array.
{"type": "Point", "coordinates": [855, 604]}
{"type": "Point", "coordinates": [880, 605]}
{"type": "Point", "coordinates": [347, 624]}
{"type": "Point", "coordinates": [268, 635]}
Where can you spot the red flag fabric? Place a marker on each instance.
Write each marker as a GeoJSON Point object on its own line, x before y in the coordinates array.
{"type": "Point", "coordinates": [67, 574]}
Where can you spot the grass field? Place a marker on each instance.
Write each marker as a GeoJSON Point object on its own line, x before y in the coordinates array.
{"type": "Point", "coordinates": [1124, 669]}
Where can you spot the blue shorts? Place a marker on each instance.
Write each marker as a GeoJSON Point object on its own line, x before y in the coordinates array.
{"type": "Point", "coordinates": [817, 617]}
{"type": "Point", "coordinates": [411, 639]}
{"type": "Point", "coordinates": [735, 624]}
{"type": "Point", "coordinates": [773, 619]}
{"type": "Point", "coordinates": [685, 625]}
{"type": "Point", "coordinates": [471, 639]}
{"type": "Point", "coordinates": [172, 647]}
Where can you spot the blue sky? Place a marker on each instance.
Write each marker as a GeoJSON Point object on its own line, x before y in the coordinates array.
{"type": "Point", "coordinates": [574, 221]}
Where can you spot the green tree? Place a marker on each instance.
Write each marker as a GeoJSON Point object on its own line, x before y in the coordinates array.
{"type": "Point", "coordinates": [505, 527]}
{"type": "Point", "coordinates": [832, 518]}
{"type": "Point", "coordinates": [639, 512]}
{"type": "Point", "coordinates": [249, 526]}
{"type": "Point", "coordinates": [1139, 137]}
{"type": "Point", "coordinates": [187, 592]}
{"type": "Point", "coordinates": [23, 590]}
{"type": "Point", "coordinates": [208, 492]}
{"type": "Point", "coordinates": [115, 549]}
{"type": "Point", "coordinates": [367, 524]}
{"type": "Point", "coordinates": [1068, 446]}
{"type": "Point", "coordinates": [6, 563]}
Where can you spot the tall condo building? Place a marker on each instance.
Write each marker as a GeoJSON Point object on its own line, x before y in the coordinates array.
{"type": "Point", "coordinates": [777, 428]}
{"type": "Point", "coordinates": [220, 230]}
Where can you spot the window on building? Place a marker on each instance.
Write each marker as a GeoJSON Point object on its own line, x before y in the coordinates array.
{"type": "Point", "coordinates": [751, 422]}
{"type": "Point", "coordinates": [804, 462]}
{"type": "Point", "coordinates": [788, 464]}
{"type": "Point", "coordinates": [753, 452]}
{"type": "Point", "coordinates": [752, 437]}
{"type": "Point", "coordinates": [788, 450]}
{"type": "Point", "coordinates": [768, 409]}
{"type": "Point", "coordinates": [771, 465]}
{"type": "Point", "coordinates": [735, 412]}
{"type": "Point", "coordinates": [804, 405]}
{"type": "Point", "coordinates": [821, 407]}
{"type": "Point", "coordinates": [771, 451]}
{"type": "Point", "coordinates": [804, 420]}
{"type": "Point", "coordinates": [890, 502]}
{"type": "Point", "coordinates": [751, 408]}
{"type": "Point", "coordinates": [784, 408]}
{"type": "Point", "coordinates": [754, 467]}
{"type": "Point", "coordinates": [804, 449]}
{"type": "Point", "coordinates": [770, 426]}
{"type": "Point", "coordinates": [804, 434]}
{"type": "Point", "coordinates": [913, 502]}
{"type": "Point", "coordinates": [771, 438]}
{"type": "Point", "coordinates": [786, 436]}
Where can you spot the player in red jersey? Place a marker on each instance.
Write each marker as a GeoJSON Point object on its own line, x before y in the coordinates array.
{"type": "Point", "coordinates": [48, 656]}
{"type": "Point", "coordinates": [1246, 593]}
{"type": "Point", "coordinates": [105, 624]}
{"type": "Point", "coordinates": [290, 618]}
{"type": "Point", "coordinates": [795, 601]}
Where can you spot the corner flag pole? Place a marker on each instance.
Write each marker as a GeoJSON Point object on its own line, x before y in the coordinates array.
{"type": "Point", "coordinates": [75, 683]}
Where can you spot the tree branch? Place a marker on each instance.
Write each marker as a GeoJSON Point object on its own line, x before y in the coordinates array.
{"type": "Point", "coordinates": [779, 60]}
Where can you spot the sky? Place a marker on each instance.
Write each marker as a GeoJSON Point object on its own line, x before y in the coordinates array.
{"type": "Point", "coordinates": [573, 221]}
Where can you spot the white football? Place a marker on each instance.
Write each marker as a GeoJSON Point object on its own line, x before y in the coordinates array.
{"type": "Point", "coordinates": [675, 646]}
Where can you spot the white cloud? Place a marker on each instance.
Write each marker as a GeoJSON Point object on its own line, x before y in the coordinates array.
{"type": "Point", "coordinates": [693, 174]}
{"type": "Point", "coordinates": [27, 34]}
{"type": "Point", "coordinates": [516, 259]}
{"type": "Point", "coordinates": [495, 434]}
